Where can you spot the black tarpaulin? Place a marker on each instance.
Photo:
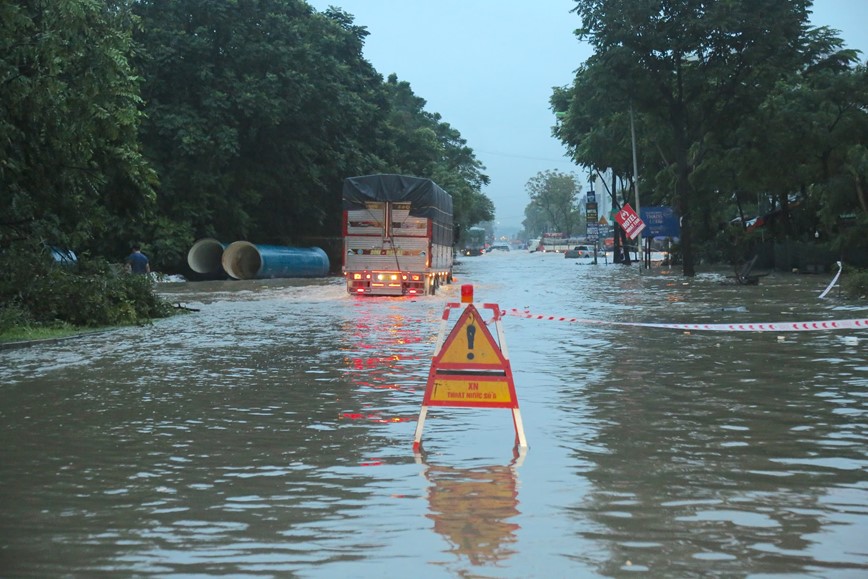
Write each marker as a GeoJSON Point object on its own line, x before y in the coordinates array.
{"type": "Point", "coordinates": [426, 199]}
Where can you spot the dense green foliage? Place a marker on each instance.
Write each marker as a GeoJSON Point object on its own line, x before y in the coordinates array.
{"type": "Point", "coordinates": [257, 110]}
{"type": "Point", "coordinates": [554, 204]}
{"type": "Point", "coordinates": [855, 284]}
{"type": "Point", "coordinates": [70, 165]}
{"type": "Point", "coordinates": [740, 109]}
{"type": "Point", "coordinates": [90, 292]}
{"type": "Point", "coordinates": [420, 143]}
{"type": "Point", "coordinates": [160, 122]}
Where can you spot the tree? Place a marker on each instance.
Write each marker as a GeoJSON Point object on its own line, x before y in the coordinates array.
{"type": "Point", "coordinates": [70, 163]}
{"type": "Point", "coordinates": [257, 110]}
{"type": "Point", "coordinates": [555, 195]}
{"type": "Point", "coordinates": [793, 148]}
{"type": "Point", "coordinates": [417, 142]}
{"type": "Point", "coordinates": [534, 223]}
{"type": "Point", "coordinates": [690, 68]}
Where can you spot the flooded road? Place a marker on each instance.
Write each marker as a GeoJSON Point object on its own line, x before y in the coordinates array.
{"type": "Point", "coordinates": [270, 435]}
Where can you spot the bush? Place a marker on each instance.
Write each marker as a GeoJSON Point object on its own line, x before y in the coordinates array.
{"type": "Point", "coordinates": [13, 316]}
{"type": "Point", "coordinates": [34, 290]}
{"type": "Point", "coordinates": [855, 283]}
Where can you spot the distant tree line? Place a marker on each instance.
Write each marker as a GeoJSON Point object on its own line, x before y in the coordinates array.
{"type": "Point", "coordinates": [555, 206]}
{"type": "Point", "coordinates": [164, 121]}
{"type": "Point", "coordinates": [740, 109]}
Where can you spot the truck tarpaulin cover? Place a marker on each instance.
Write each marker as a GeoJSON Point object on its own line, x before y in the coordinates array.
{"type": "Point", "coordinates": [426, 197]}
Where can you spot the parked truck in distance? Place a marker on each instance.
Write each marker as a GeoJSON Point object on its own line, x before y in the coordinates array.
{"type": "Point", "coordinates": [397, 234]}
{"type": "Point", "coordinates": [474, 241]}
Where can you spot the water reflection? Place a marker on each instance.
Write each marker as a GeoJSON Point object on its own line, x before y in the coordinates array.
{"type": "Point", "coordinates": [385, 358]}
{"type": "Point", "coordinates": [473, 508]}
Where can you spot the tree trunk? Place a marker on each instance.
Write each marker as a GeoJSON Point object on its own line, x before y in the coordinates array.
{"type": "Point", "coordinates": [683, 190]}
{"type": "Point", "coordinates": [616, 249]}
{"type": "Point", "coordinates": [626, 260]}
{"type": "Point", "coordinates": [863, 199]}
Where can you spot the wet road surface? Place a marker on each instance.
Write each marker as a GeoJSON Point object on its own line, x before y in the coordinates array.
{"type": "Point", "coordinates": [270, 435]}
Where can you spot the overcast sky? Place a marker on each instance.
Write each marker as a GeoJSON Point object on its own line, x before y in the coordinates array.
{"type": "Point", "coordinates": [489, 66]}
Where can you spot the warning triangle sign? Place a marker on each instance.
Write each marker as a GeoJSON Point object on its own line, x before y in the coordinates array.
{"type": "Point", "coordinates": [470, 370]}
{"type": "Point", "coordinates": [470, 345]}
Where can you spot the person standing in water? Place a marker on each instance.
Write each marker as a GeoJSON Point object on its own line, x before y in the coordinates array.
{"type": "Point", "coordinates": [137, 262]}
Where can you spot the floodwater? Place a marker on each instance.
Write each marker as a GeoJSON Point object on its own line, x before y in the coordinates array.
{"type": "Point", "coordinates": [270, 434]}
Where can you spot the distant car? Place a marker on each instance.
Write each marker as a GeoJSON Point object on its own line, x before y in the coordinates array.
{"type": "Point", "coordinates": [498, 248]}
{"type": "Point", "coordinates": [579, 251]}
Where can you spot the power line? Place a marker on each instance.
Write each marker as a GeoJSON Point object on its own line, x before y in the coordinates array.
{"type": "Point", "coordinates": [529, 158]}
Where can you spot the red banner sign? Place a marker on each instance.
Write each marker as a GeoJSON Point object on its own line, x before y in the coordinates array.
{"type": "Point", "coordinates": [629, 221]}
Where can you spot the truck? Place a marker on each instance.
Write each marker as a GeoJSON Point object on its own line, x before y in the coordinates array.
{"type": "Point", "coordinates": [397, 233]}
{"type": "Point", "coordinates": [474, 242]}
{"type": "Point", "coordinates": [559, 242]}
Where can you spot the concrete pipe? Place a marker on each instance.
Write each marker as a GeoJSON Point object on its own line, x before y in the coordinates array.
{"type": "Point", "coordinates": [206, 256]}
{"type": "Point", "coordinates": [244, 260]}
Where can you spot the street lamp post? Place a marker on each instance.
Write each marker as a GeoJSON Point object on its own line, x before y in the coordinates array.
{"type": "Point", "coordinates": [635, 172]}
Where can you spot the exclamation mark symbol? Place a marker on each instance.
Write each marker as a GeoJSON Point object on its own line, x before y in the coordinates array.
{"type": "Point", "coordinates": [471, 335]}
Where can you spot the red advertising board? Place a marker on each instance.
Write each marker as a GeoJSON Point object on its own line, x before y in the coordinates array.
{"type": "Point", "coordinates": [629, 221]}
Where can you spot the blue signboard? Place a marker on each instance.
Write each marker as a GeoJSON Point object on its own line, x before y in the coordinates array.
{"type": "Point", "coordinates": [660, 222]}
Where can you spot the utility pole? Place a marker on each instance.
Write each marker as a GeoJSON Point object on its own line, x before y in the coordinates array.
{"type": "Point", "coordinates": [591, 214]}
{"type": "Point", "coordinates": [635, 172]}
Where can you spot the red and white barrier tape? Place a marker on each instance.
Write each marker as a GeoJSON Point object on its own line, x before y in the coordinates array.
{"type": "Point", "coordinates": [812, 326]}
